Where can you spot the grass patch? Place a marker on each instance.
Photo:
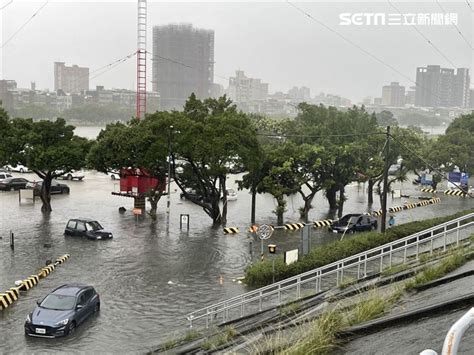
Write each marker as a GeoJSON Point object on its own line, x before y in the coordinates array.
{"type": "Point", "coordinates": [172, 343]}
{"type": "Point", "coordinates": [395, 269]}
{"type": "Point", "coordinates": [260, 274]}
{"type": "Point", "coordinates": [318, 337]}
{"type": "Point", "coordinates": [290, 309]}
{"type": "Point", "coordinates": [222, 338]}
{"type": "Point", "coordinates": [169, 344]}
{"type": "Point", "coordinates": [434, 272]}
{"type": "Point", "coordinates": [347, 281]}
{"type": "Point", "coordinates": [373, 307]}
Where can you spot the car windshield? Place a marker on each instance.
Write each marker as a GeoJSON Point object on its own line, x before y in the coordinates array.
{"type": "Point", "coordinates": [58, 302]}
{"type": "Point", "coordinates": [94, 225]}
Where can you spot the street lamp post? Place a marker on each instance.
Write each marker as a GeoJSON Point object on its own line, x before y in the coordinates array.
{"type": "Point", "coordinates": [168, 203]}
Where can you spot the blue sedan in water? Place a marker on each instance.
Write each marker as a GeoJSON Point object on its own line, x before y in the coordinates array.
{"type": "Point", "coordinates": [61, 311]}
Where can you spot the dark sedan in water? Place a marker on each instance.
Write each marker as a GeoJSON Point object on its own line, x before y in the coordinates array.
{"type": "Point", "coordinates": [60, 312]}
{"type": "Point", "coordinates": [56, 187]}
{"type": "Point", "coordinates": [86, 228]}
{"type": "Point", "coordinates": [11, 184]}
{"type": "Point", "coordinates": [352, 223]}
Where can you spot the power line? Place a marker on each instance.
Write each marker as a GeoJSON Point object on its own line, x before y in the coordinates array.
{"type": "Point", "coordinates": [469, 4]}
{"type": "Point", "coordinates": [4, 6]}
{"type": "Point", "coordinates": [363, 50]}
{"type": "Point", "coordinates": [424, 37]}
{"type": "Point", "coordinates": [22, 26]}
{"type": "Point", "coordinates": [373, 56]}
{"type": "Point", "coordinates": [456, 27]}
{"type": "Point", "coordinates": [319, 136]}
{"type": "Point", "coordinates": [183, 64]}
{"type": "Point", "coordinates": [111, 66]}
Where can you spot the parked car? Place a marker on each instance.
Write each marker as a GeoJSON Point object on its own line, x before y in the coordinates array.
{"type": "Point", "coordinates": [231, 195]}
{"type": "Point", "coordinates": [4, 175]}
{"type": "Point", "coordinates": [12, 183]}
{"type": "Point", "coordinates": [61, 311]}
{"type": "Point", "coordinates": [74, 175]}
{"type": "Point", "coordinates": [18, 168]}
{"type": "Point", "coordinates": [352, 223]}
{"type": "Point", "coordinates": [88, 228]}
{"type": "Point", "coordinates": [191, 195]}
{"type": "Point", "coordinates": [56, 187]}
{"type": "Point", "coordinates": [114, 175]}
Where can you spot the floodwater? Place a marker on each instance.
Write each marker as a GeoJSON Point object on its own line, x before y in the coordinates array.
{"type": "Point", "coordinates": [148, 277]}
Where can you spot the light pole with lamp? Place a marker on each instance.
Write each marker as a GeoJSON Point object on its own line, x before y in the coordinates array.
{"type": "Point", "coordinates": [272, 250]}
{"type": "Point", "coordinates": [168, 202]}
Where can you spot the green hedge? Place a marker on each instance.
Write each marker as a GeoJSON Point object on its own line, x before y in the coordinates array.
{"type": "Point", "coordinates": [260, 274]}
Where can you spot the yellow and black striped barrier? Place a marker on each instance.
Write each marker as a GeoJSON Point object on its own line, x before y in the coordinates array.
{"type": "Point", "coordinates": [30, 282]}
{"type": "Point", "coordinates": [409, 206]}
{"type": "Point", "coordinates": [431, 191]}
{"type": "Point", "coordinates": [323, 223]}
{"type": "Point", "coordinates": [61, 259]}
{"type": "Point", "coordinates": [455, 193]}
{"type": "Point", "coordinates": [231, 230]}
{"type": "Point", "coordinates": [395, 209]}
{"type": "Point", "coordinates": [423, 203]}
{"type": "Point", "coordinates": [8, 297]}
{"type": "Point", "coordinates": [293, 226]}
{"type": "Point", "coordinates": [435, 200]}
{"type": "Point", "coordinates": [377, 213]}
{"type": "Point", "coordinates": [46, 271]}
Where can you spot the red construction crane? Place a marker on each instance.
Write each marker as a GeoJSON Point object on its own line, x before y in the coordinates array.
{"type": "Point", "coordinates": [141, 60]}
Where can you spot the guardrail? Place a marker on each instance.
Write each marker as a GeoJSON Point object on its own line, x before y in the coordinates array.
{"type": "Point", "coordinates": [361, 265]}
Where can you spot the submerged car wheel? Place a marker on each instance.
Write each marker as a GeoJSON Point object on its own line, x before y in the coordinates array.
{"type": "Point", "coordinates": [71, 327]}
{"type": "Point", "coordinates": [97, 308]}
{"type": "Point", "coordinates": [69, 176]}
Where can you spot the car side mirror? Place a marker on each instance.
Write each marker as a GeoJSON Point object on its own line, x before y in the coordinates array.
{"type": "Point", "coordinates": [38, 302]}
{"type": "Point", "coordinates": [79, 306]}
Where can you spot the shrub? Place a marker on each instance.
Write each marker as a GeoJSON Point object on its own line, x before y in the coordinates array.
{"type": "Point", "coordinates": [260, 274]}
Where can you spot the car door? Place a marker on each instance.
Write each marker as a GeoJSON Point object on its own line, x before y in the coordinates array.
{"type": "Point", "coordinates": [81, 309]}
{"type": "Point", "coordinates": [359, 224]}
{"type": "Point", "coordinates": [16, 183]}
{"type": "Point", "coordinates": [89, 306]}
{"type": "Point", "coordinates": [70, 228]}
{"type": "Point", "coordinates": [81, 229]}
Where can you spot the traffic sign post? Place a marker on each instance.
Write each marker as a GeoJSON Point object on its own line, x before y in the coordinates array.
{"type": "Point", "coordinates": [264, 232]}
{"type": "Point", "coordinates": [184, 219]}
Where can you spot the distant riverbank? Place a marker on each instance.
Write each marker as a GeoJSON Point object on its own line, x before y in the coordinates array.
{"type": "Point", "coordinates": [89, 132]}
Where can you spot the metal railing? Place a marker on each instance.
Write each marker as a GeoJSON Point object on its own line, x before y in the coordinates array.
{"type": "Point", "coordinates": [358, 266]}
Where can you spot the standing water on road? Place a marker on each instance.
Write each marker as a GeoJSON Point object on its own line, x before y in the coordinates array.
{"type": "Point", "coordinates": [148, 278]}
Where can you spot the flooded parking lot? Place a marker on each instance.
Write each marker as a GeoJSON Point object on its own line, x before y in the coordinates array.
{"type": "Point", "coordinates": [148, 277]}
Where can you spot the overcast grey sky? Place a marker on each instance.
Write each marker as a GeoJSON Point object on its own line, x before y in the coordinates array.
{"type": "Point", "coordinates": [269, 40]}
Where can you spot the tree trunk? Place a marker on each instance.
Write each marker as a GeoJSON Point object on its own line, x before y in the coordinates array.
{"type": "Point", "coordinates": [340, 206]}
{"type": "Point", "coordinates": [370, 192]}
{"type": "Point", "coordinates": [224, 193]}
{"type": "Point", "coordinates": [280, 210]}
{"type": "Point", "coordinates": [45, 194]}
{"type": "Point", "coordinates": [331, 196]}
{"type": "Point", "coordinates": [304, 211]}
{"type": "Point", "coordinates": [254, 200]}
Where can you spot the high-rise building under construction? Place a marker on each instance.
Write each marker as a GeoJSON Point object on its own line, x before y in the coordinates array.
{"type": "Point", "coordinates": [183, 63]}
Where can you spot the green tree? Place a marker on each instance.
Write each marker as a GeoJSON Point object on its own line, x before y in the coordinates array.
{"type": "Point", "coordinates": [48, 148]}
{"type": "Point", "coordinates": [136, 145]}
{"type": "Point", "coordinates": [212, 138]}
{"type": "Point", "coordinates": [455, 147]}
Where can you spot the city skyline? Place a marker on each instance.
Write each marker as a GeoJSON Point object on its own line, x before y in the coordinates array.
{"type": "Point", "coordinates": [316, 59]}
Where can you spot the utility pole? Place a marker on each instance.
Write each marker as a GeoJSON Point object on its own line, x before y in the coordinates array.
{"type": "Point", "coordinates": [385, 181]}
{"type": "Point", "coordinates": [169, 173]}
